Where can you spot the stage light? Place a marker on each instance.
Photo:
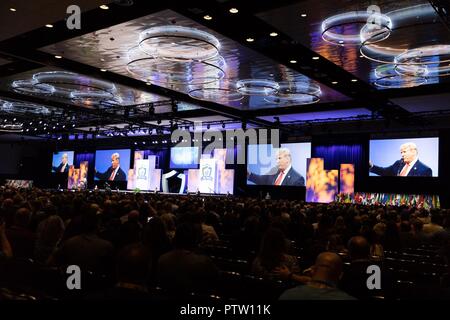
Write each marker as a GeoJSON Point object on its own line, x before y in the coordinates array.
{"type": "Point", "coordinates": [303, 15]}
{"type": "Point", "coordinates": [293, 61]}
{"type": "Point", "coordinates": [249, 39]}
{"type": "Point", "coordinates": [207, 17]}
{"type": "Point", "coordinates": [12, 9]}
{"type": "Point", "coordinates": [273, 34]}
{"type": "Point", "coordinates": [58, 57]}
{"type": "Point", "coordinates": [48, 25]}
{"type": "Point", "coordinates": [354, 80]}
{"type": "Point", "coordinates": [334, 82]}
{"type": "Point", "coordinates": [234, 10]}
{"type": "Point", "coordinates": [104, 7]}
{"type": "Point", "coordinates": [103, 70]}
{"type": "Point", "coordinates": [315, 58]}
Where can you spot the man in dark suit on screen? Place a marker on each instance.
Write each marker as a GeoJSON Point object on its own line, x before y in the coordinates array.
{"type": "Point", "coordinates": [114, 173]}
{"type": "Point", "coordinates": [285, 175]}
{"type": "Point", "coordinates": [408, 166]}
{"type": "Point", "coordinates": [63, 166]}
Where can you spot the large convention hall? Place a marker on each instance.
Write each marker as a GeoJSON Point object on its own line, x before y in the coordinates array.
{"type": "Point", "coordinates": [235, 155]}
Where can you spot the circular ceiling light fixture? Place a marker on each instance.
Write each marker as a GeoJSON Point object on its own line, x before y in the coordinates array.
{"type": "Point", "coordinates": [74, 86]}
{"type": "Point", "coordinates": [11, 127]}
{"type": "Point", "coordinates": [340, 29]}
{"type": "Point", "coordinates": [387, 77]}
{"type": "Point", "coordinates": [397, 82]}
{"type": "Point", "coordinates": [299, 93]}
{"type": "Point", "coordinates": [257, 87]}
{"type": "Point", "coordinates": [221, 95]}
{"type": "Point", "coordinates": [162, 71]}
{"type": "Point", "coordinates": [177, 43]}
{"type": "Point", "coordinates": [30, 88]}
{"type": "Point", "coordinates": [16, 107]}
{"type": "Point", "coordinates": [405, 18]}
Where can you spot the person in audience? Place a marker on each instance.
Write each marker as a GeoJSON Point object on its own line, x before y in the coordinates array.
{"type": "Point", "coordinates": [87, 250]}
{"type": "Point", "coordinates": [272, 255]}
{"type": "Point", "coordinates": [22, 239]}
{"type": "Point", "coordinates": [49, 233]}
{"type": "Point", "coordinates": [156, 240]}
{"type": "Point", "coordinates": [133, 265]}
{"type": "Point", "coordinates": [5, 246]}
{"type": "Point", "coordinates": [434, 226]}
{"type": "Point", "coordinates": [354, 279]}
{"type": "Point", "coordinates": [182, 270]}
{"type": "Point", "coordinates": [325, 275]}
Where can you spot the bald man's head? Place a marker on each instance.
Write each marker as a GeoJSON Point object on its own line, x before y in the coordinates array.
{"type": "Point", "coordinates": [328, 267]}
{"type": "Point", "coordinates": [358, 248]}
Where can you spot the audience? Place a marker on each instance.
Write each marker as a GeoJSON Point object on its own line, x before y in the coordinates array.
{"type": "Point", "coordinates": [161, 240]}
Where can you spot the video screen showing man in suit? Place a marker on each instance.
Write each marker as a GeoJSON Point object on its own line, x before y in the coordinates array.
{"type": "Point", "coordinates": [62, 161]}
{"type": "Point", "coordinates": [115, 169]}
{"type": "Point", "coordinates": [409, 164]}
{"type": "Point", "coordinates": [284, 170]}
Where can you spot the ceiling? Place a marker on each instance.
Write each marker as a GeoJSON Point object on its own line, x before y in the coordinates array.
{"type": "Point", "coordinates": [139, 66]}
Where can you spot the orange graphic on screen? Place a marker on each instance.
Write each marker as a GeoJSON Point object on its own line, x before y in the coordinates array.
{"type": "Point", "coordinates": [321, 184]}
{"type": "Point", "coordinates": [347, 175]}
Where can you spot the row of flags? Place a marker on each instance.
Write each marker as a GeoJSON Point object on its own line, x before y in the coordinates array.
{"type": "Point", "coordinates": [420, 201]}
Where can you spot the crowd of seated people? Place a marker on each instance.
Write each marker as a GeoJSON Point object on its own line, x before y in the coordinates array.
{"type": "Point", "coordinates": [155, 246]}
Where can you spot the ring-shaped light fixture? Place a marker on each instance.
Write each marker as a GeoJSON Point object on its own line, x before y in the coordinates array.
{"type": "Point", "coordinates": [11, 127]}
{"type": "Point", "coordinates": [216, 94]}
{"type": "Point", "coordinates": [293, 87]}
{"type": "Point", "coordinates": [403, 18]}
{"type": "Point", "coordinates": [176, 43]}
{"type": "Point", "coordinates": [398, 81]}
{"type": "Point", "coordinates": [257, 87]}
{"type": "Point", "coordinates": [27, 87]}
{"type": "Point", "coordinates": [387, 77]}
{"type": "Point", "coordinates": [299, 93]}
{"type": "Point", "coordinates": [161, 71]}
{"type": "Point", "coordinates": [18, 107]}
{"type": "Point", "coordinates": [297, 99]}
{"type": "Point", "coordinates": [330, 27]}
{"type": "Point", "coordinates": [73, 86]}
